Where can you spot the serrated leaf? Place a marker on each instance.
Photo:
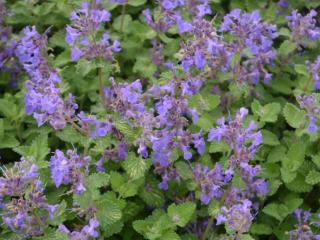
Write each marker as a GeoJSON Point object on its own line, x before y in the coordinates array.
{"type": "Point", "coordinates": [293, 115]}
{"type": "Point", "coordinates": [295, 157]}
{"type": "Point", "coordinates": [269, 112]}
{"type": "Point", "coordinates": [135, 166]}
{"type": "Point", "coordinates": [38, 150]}
{"type": "Point", "coordinates": [278, 211]}
{"type": "Point", "coordinates": [107, 212]}
{"type": "Point", "coordinates": [122, 22]}
{"type": "Point", "coordinates": [299, 185]}
{"type": "Point", "coordinates": [70, 135]}
{"type": "Point", "coordinates": [8, 141]}
{"type": "Point", "coordinates": [98, 180]}
{"type": "Point", "coordinates": [316, 160]}
{"type": "Point", "coordinates": [8, 109]}
{"type": "Point", "coordinates": [313, 177]}
{"type": "Point", "coordinates": [136, 3]}
{"type": "Point", "coordinates": [59, 215]}
{"type": "Point", "coordinates": [182, 213]}
{"type": "Point", "coordinates": [269, 138]}
{"type": "Point", "coordinates": [184, 170]}
{"type": "Point", "coordinates": [260, 229]}
{"type": "Point", "coordinates": [286, 47]}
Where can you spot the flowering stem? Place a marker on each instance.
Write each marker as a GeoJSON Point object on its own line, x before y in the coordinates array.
{"type": "Point", "coordinates": [206, 232]}
{"type": "Point", "coordinates": [101, 86]}
{"type": "Point", "coordinates": [122, 16]}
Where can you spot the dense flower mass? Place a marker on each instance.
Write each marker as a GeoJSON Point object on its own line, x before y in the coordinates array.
{"type": "Point", "coordinates": [24, 207]}
{"type": "Point", "coordinates": [82, 34]}
{"type": "Point", "coordinates": [43, 99]}
{"type": "Point", "coordinates": [202, 125]}
{"type": "Point", "coordinates": [249, 32]}
{"type": "Point", "coordinates": [303, 227]}
{"type": "Point", "coordinates": [68, 170]}
{"type": "Point", "coordinates": [304, 28]}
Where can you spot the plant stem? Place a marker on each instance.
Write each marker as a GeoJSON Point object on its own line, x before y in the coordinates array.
{"type": "Point", "coordinates": [206, 232]}
{"type": "Point", "coordinates": [101, 86]}
{"type": "Point", "coordinates": [122, 16]}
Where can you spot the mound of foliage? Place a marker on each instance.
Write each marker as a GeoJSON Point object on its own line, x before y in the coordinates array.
{"type": "Point", "coordinates": [159, 120]}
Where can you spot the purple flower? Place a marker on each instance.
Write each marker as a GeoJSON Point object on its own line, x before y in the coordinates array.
{"type": "Point", "coordinates": [311, 105]}
{"type": "Point", "coordinates": [303, 28]}
{"type": "Point", "coordinates": [211, 181]}
{"type": "Point", "coordinates": [238, 217]}
{"type": "Point", "coordinates": [303, 227]}
{"type": "Point", "coordinates": [22, 193]}
{"type": "Point", "coordinates": [87, 231]}
{"type": "Point", "coordinates": [67, 170]}
{"type": "Point", "coordinates": [82, 34]}
{"type": "Point", "coordinates": [249, 32]}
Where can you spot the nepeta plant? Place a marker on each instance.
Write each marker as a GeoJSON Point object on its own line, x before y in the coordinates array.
{"type": "Point", "coordinates": [169, 119]}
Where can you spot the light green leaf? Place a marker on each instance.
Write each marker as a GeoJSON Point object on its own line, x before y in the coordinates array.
{"type": "Point", "coordinates": [122, 23]}
{"type": "Point", "coordinates": [182, 213]}
{"type": "Point", "coordinates": [135, 166]}
{"type": "Point", "coordinates": [293, 115]}
{"type": "Point", "coordinates": [286, 48]}
{"type": "Point", "coordinates": [269, 138]}
{"type": "Point", "coordinates": [313, 177]}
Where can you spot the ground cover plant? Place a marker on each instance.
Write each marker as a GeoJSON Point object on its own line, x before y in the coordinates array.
{"type": "Point", "coordinates": [159, 120]}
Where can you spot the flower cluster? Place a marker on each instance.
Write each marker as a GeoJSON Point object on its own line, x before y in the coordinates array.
{"type": "Point", "coordinates": [68, 169]}
{"type": "Point", "coordinates": [82, 35]}
{"type": "Point", "coordinates": [207, 48]}
{"type": "Point", "coordinates": [171, 14]}
{"type": "Point", "coordinates": [211, 181]}
{"type": "Point", "coordinates": [24, 207]}
{"type": "Point", "coordinates": [311, 105]}
{"type": "Point", "coordinates": [303, 28]}
{"type": "Point", "coordinates": [250, 33]}
{"type": "Point", "coordinates": [87, 232]}
{"type": "Point", "coordinates": [314, 70]}
{"type": "Point", "coordinates": [244, 143]}
{"type": "Point", "coordinates": [42, 99]}
{"type": "Point", "coordinates": [238, 217]}
{"type": "Point", "coordinates": [303, 227]}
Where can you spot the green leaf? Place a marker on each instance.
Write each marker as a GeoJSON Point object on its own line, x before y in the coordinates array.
{"type": "Point", "coordinates": [70, 135]}
{"type": "Point", "coordinates": [246, 237]}
{"type": "Point", "coordinates": [294, 157]}
{"type": "Point", "coordinates": [38, 149]}
{"type": "Point", "coordinates": [1, 129]}
{"type": "Point", "coordinates": [269, 138]}
{"type": "Point", "coordinates": [301, 69]}
{"type": "Point", "coordinates": [278, 211]}
{"type": "Point", "coordinates": [299, 185]}
{"type": "Point", "coordinates": [313, 177]}
{"type": "Point", "coordinates": [182, 213]}
{"type": "Point", "coordinates": [316, 160]}
{"type": "Point", "coordinates": [184, 170]}
{"type": "Point", "coordinates": [286, 48]}
{"type": "Point", "coordinates": [107, 212]}
{"type": "Point", "coordinates": [98, 180]}
{"type": "Point", "coordinates": [207, 103]}
{"type": "Point", "coordinates": [60, 214]}
{"type": "Point", "coordinates": [136, 3]}
{"type": "Point", "coordinates": [8, 141]}
{"type": "Point", "coordinates": [293, 115]}
{"type": "Point", "coordinates": [260, 229]}
{"type": "Point", "coordinates": [122, 23]}
{"type": "Point", "coordinates": [8, 109]}
{"type": "Point", "coordinates": [135, 166]}
{"type": "Point", "coordinates": [267, 113]}
{"type": "Point", "coordinates": [151, 194]}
